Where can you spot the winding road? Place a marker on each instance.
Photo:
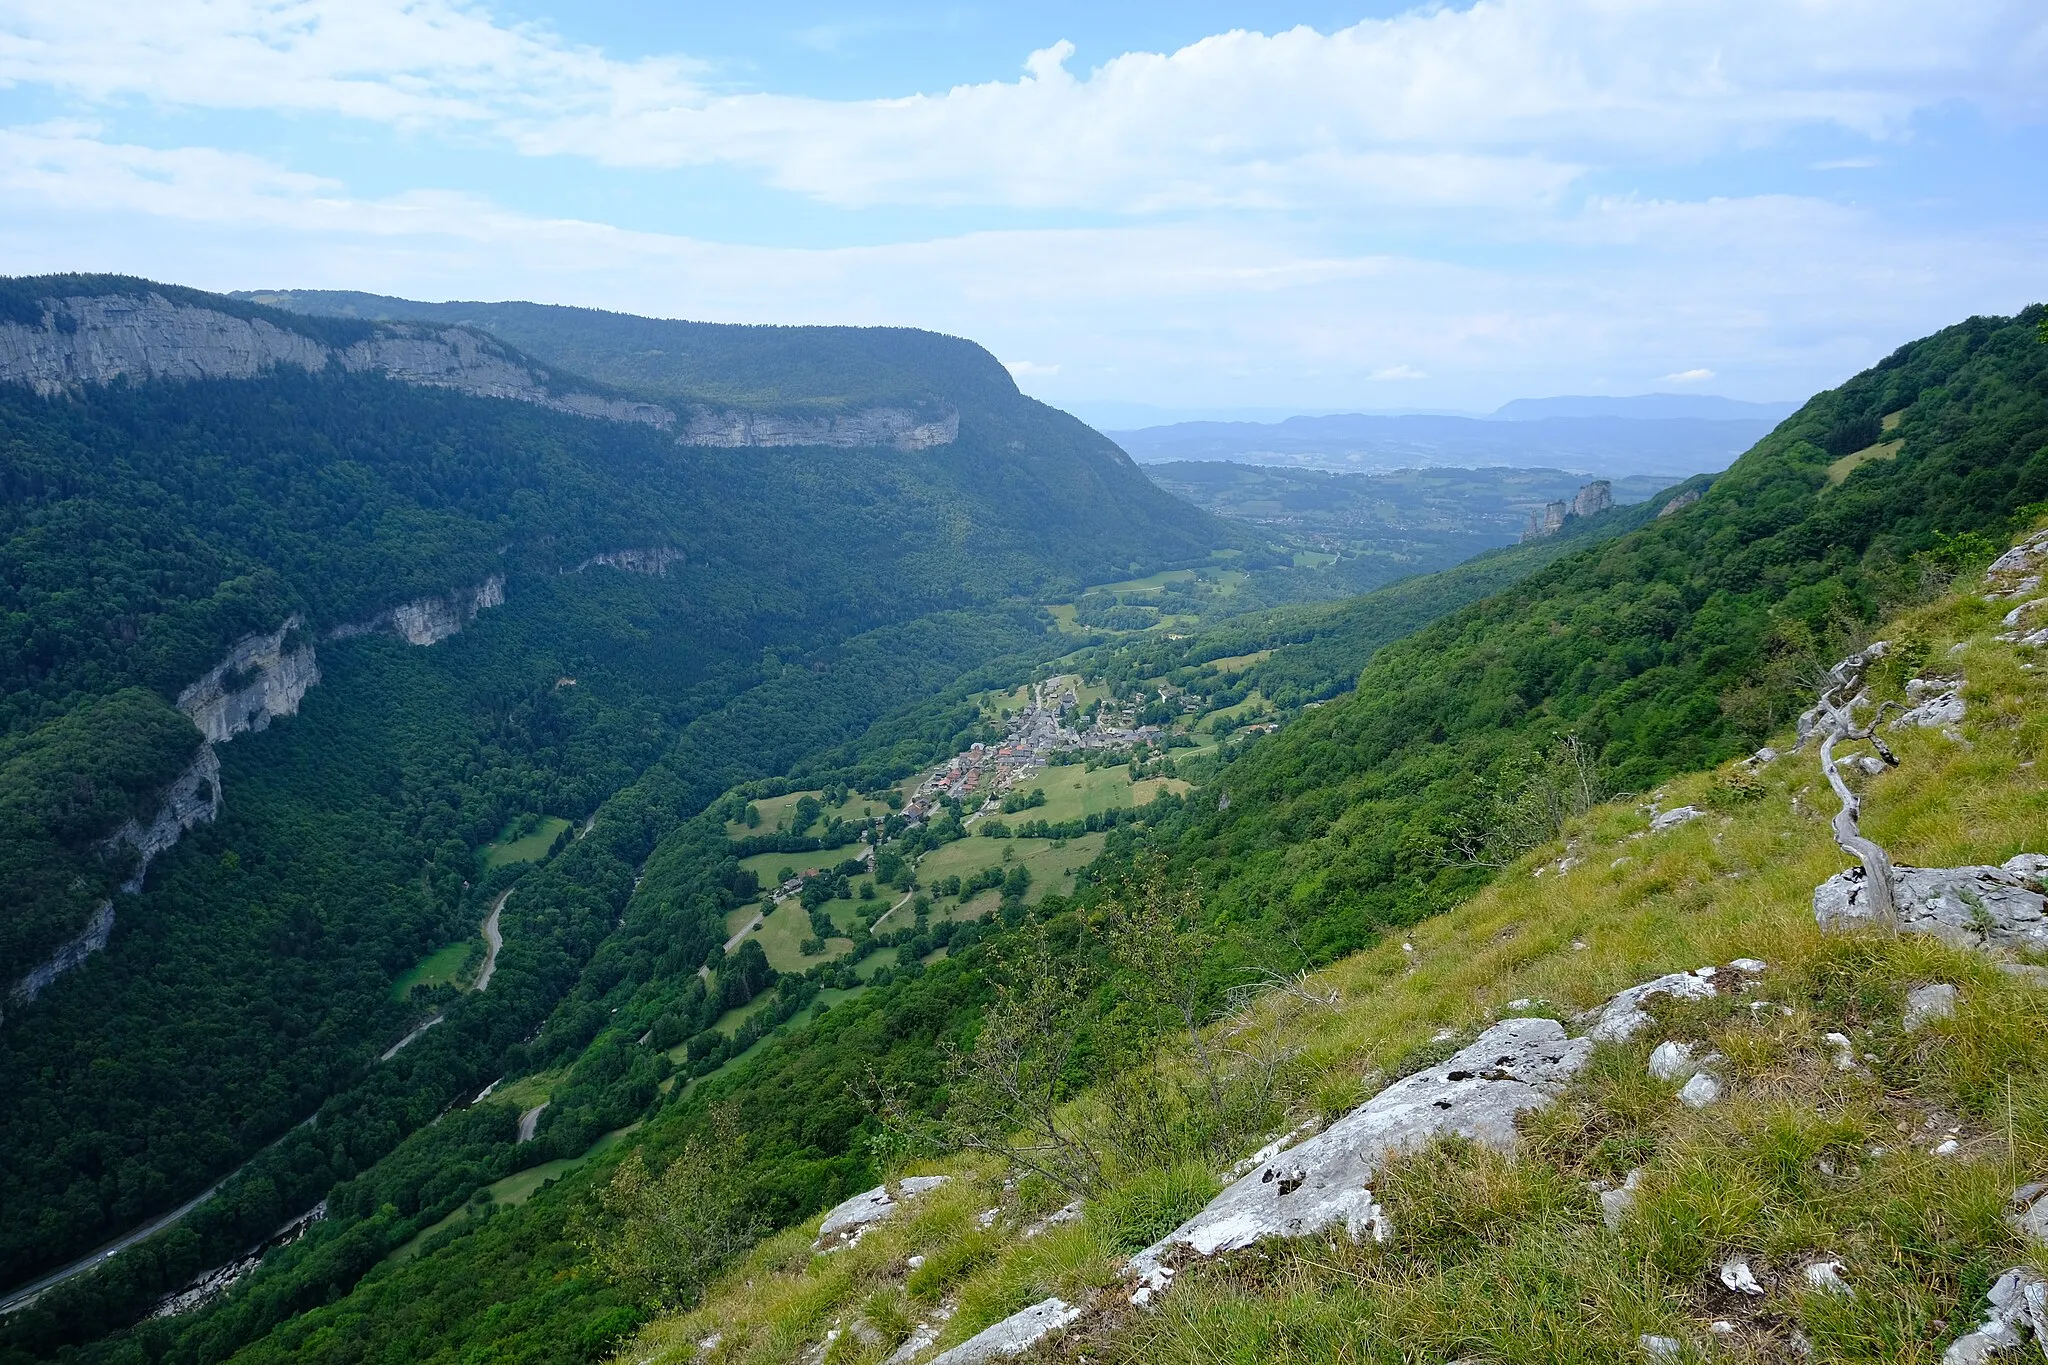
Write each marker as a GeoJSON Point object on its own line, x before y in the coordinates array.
{"type": "Point", "coordinates": [21, 1296]}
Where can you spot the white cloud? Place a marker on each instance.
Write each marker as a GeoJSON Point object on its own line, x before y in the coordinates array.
{"type": "Point", "coordinates": [1783, 295]}
{"type": "Point", "coordinates": [1505, 102]}
{"type": "Point", "coordinates": [1695, 376]}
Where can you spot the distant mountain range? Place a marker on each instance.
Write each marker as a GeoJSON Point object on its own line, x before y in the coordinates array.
{"type": "Point", "coordinates": [1664, 434]}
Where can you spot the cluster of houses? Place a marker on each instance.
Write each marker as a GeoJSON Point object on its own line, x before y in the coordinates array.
{"type": "Point", "coordinates": [1043, 728]}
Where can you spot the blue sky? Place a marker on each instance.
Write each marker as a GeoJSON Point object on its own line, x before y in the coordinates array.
{"type": "Point", "coordinates": [1201, 207]}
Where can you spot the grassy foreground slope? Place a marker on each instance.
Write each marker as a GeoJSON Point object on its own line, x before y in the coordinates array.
{"type": "Point", "coordinates": [1498, 1259]}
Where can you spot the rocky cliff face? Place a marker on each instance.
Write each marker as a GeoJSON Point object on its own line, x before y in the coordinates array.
{"type": "Point", "coordinates": [193, 799]}
{"type": "Point", "coordinates": [259, 679]}
{"type": "Point", "coordinates": [98, 339]}
{"type": "Point", "coordinates": [430, 620]}
{"type": "Point", "coordinates": [68, 955]}
{"type": "Point", "coordinates": [653, 562]}
{"type": "Point", "coordinates": [898, 427]}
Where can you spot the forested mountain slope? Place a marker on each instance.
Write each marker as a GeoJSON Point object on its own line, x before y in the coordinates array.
{"type": "Point", "coordinates": [1663, 650]}
{"type": "Point", "coordinates": [319, 607]}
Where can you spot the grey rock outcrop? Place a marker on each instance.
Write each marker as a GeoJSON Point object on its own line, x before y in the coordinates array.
{"type": "Point", "coordinates": [1624, 1016]}
{"type": "Point", "coordinates": [2017, 572]}
{"type": "Point", "coordinates": [193, 798]}
{"type": "Point", "coordinates": [1970, 907]}
{"type": "Point", "coordinates": [653, 561]}
{"type": "Point", "coordinates": [1546, 520]}
{"type": "Point", "coordinates": [1593, 499]}
{"type": "Point", "coordinates": [898, 427]}
{"type": "Point", "coordinates": [96, 340]}
{"type": "Point", "coordinates": [70, 954]}
{"type": "Point", "coordinates": [429, 620]}
{"type": "Point", "coordinates": [258, 680]}
{"type": "Point", "coordinates": [2018, 1311]}
{"type": "Point", "coordinates": [1671, 819]}
{"type": "Point", "coordinates": [1679, 503]}
{"type": "Point", "coordinates": [1515, 1066]}
{"type": "Point", "coordinates": [845, 1223]}
{"type": "Point", "coordinates": [1926, 1004]}
{"type": "Point", "coordinates": [85, 340]}
{"type": "Point", "coordinates": [1012, 1336]}
{"type": "Point", "coordinates": [1936, 702]}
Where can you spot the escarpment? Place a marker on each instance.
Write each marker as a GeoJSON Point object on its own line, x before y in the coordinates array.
{"type": "Point", "coordinates": [261, 678]}
{"type": "Point", "coordinates": [85, 339]}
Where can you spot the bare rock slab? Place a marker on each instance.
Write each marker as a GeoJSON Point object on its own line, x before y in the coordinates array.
{"type": "Point", "coordinates": [843, 1225]}
{"type": "Point", "coordinates": [1013, 1335]}
{"type": "Point", "coordinates": [1515, 1066]}
{"type": "Point", "coordinates": [1970, 907]}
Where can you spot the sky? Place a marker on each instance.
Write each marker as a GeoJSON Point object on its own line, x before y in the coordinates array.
{"type": "Point", "coordinates": [1145, 210]}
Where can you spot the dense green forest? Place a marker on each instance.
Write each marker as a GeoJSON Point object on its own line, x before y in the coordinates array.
{"type": "Point", "coordinates": [1660, 644]}
{"type": "Point", "coordinates": [148, 525]}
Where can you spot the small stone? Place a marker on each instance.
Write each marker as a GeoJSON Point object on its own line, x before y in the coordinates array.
{"type": "Point", "coordinates": [1521, 1003]}
{"type": "Point", "coordinates": [1947, 1147]}
{"type": "Point", "coordinates": [914, 1262]}
{"type": "Point", "coordinates": [1671, 1061]}
{"type": "Point", "coordinates": [2029, 1217]}
{"type": "Point", "coordinates": [1844, 1050]}
{"type": "Point", "coordinates": [1661, 1350]}
{"type": "Point", "coordinates": [1826, 1277]}
{"type": "Point", "coordinates": [1721, 1327]}
{"type": "Point", "coordinates": [1737, 1275]}
{"type": "Point", "coordinates": [1749, 965]}
{"type": "Point", "coordinates": [1578, 945]}
{"type": "Point", "coordinates": [1615, 1204]}
{"type": "Point", "coordinates": [1927, 1004]}
{"type": "Point", "coordinates": [1699, 1092]}
{"type": "Point", "coordinates": [1407, 947]}
{"type": "Point", "coordinates": [1672, 819]}
{"type": "Point", "coordinates": [2026, 974]}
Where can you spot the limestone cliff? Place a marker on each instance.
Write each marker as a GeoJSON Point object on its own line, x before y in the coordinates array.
{"type": "Point", "coordinates": [898, 427]}
{"type": "Point", "coordinates": [261, 678]}
{"type": "Point", "coordinates": [653, 562]}
{"type": "Point", "coordinates": [97, 339]}
{"type": "Point", "coordinates": [429, 620]}
{"type": "Point", "coordinates": [192, 799]}
{"type": "Point", "coordinates": [258, 680]}
{"type": "Point", "coordinates": [69, 954]}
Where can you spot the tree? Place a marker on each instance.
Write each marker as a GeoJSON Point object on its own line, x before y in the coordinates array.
{"type": "Point", "coordinates": [660, 1237]}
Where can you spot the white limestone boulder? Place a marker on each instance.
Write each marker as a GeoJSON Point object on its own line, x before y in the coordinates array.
{"type": "Point", "coordinates": [1326, 1182]}
{"type": "Point", "coordinates": [1970, 907]}
{"type": "Point", "coordinates": [845, 1223]}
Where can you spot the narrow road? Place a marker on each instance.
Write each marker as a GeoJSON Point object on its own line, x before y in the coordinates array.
{"type": "Point", "coordinates": [493, 941]}
{"type": "Point", "coordinates": [750, 926]}
{"type": "Point", "coordinates": [22, 1296]}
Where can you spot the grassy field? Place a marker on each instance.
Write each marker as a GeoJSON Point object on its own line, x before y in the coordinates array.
{"type": "Point", "coordinates": [1238, 663]}
{"type": "Point", "coordinates": [766, 865]}
{"type": "Point", "coordinates": [516, 1189]}
{"type": "Point", "coordinates": [442, 966]}
{"type": "Point", "coordinates": [528, 849]}
{"type": "Point", "coordinates": [1801, 1158]}
{"type": "Point", "coordinates": [1051, 862]}
{"type": "Point", "coordinates": [777, 810]}
{"type": "Point", "coordinates": [1252, 701]}
{"type": "Point", "coordinates": [1072, 793]}
{"type": "Point", "coordinates": [783, 933]}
